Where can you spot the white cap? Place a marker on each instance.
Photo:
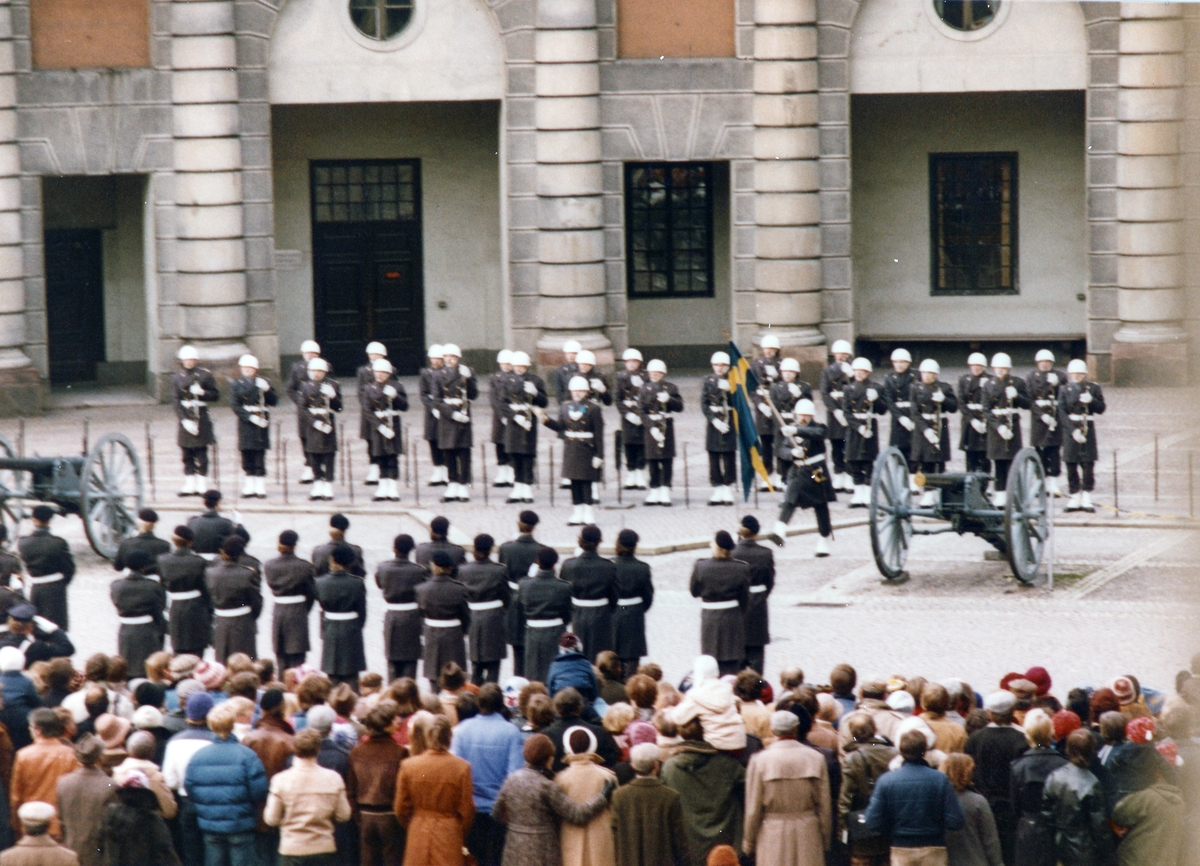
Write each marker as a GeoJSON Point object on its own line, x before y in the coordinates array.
{"type": "Point", "coordinates": [1044, 355]}
{"type": "Point", "coordinates": [578, 383]}
{"type": "Point", "coordinates": [656, 366]}
{"type": "Point", "coordinates": [36, 813]}
{"type": "Point", "coordinates": [930, 366]}
{"type": "Point", "coordinates": [11, 661]}
{"type": "Point", "coordinates": [571, 347]}
{"type": "Point", "coordinates": [841, 347]}
{"type": "Point", "coordinates": [789, 364]}
{"type": "Point", "coordinates": [719, 358]}
{"type": "Point", "coordinates": [1001, 359]}
{"type": "Point", "coordinates": [770, 341]}
{"type": "Point", "coordinates": [862, 364]}
{"type": "Point", "coordinates": [901, 355]}
{"type": "Point", "coordinates": [519, 359]}
{"type": "Point", "coordinates": [504, 356]}
{"type": "Point", "coordinates": [310, 346]}
{"type": "Point", "coordinates": [376, 348]}
{"type": "Point", "coordinates": [318, 364]}
{"type": "Point", "coordinates": [382, 365]}
{"type": "Point", "coordinates": [1077, 365]}
{"type": "Point", "coordinates": [450, 349]}
{"type": "Point", "coordinates": [147, 717]}
{"type": "Point", "coordinates": [583, 356]}
{"type": "Point", "coordinates": [248, 361]}
{"type": "Point", "coordinates": [188, 353]}
{"type": "Point", "coordinates": [435, 351]}
{"type": "Point", "coordinates": [631, 355]}
{"type": "Point", "coordinates": [805, 407]}
{"type": "Point", "coordinates": [977, 358]}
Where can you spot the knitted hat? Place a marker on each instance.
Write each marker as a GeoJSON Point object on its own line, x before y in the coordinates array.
{"type": "Point", "coordinates": [1140, 730]}
{"type": "Point", "coordinates": [1065, 722]}
{"type": "Point", "coordinates": [639, 732]}
{"type": "Point", "coordinates": [1124, 690]}
{"type": "Point", "coordinates": [1040, 677]}
{"type": "Point", "coordinates": [211, 675]}
{"type": "Point", "coordinates": [198, 706]}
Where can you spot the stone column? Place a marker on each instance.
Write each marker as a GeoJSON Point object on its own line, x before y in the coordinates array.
{"type": "Point", "coordinates": [787, 272]}
{"type": "Point", "coordinates": [1151, 344]}
{"type": "Point", "coordinates": [210, 250]}
{"type": "Point", "coordinates": [571, 284]}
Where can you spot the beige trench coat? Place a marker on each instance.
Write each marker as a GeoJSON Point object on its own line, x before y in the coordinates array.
{"type": "Point", "coordinates": [788, 810]}
{"type": "Point", "coordinates": [591, 844]}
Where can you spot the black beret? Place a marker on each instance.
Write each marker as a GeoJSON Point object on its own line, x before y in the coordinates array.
{"type": "Point", "coordinates": [724, 540]}
{"type": "Point", "coordinates": [343, 555]}
{"type": "Point", "coordinates": [442, 559]}
{"type": "Point", "coordinates": [289, 537]}
{"type": "Point", "coordinates": [751, 523]}
{"type": "Point", "coordinates": [590, 535]}
{"type": "Point", "coordinates": [484, 542]}
{"type": "Point", "coordinates": [148, 515]}
{"type": "Point", "coordinates": [184, 532]}
{"type": "Point", "coordinates": [233, 546]}
{"type": "Point", "coordinates": [43, 513]}
{"type": "Point", "coordinates": [628, 539]}
{"type": "Point", "coordinates": [529, 518]}
{"type": "Point", "coordinates": [340, 521]}
{"type": "Point", "coordinates": [439, 526]}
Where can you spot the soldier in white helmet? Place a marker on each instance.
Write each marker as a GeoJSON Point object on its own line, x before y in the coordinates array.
{"type": "Point", "coordinates": [565, 371]}
{"type": "Point", "coordinates": [498, 385]}
{"type": "Point", "coordinates": [766, 369]}
{"type": "Point", "coordinates": [439, 477]}
{"type": "Point", "coordinates": [1045, 434]}
{"type": "Point", "coordinates": [972, 441]}
{"type": "Point", "coordinates": [1079, 402]}
{"type": "Point", "coordinates": [251, 395]}
{"type": "Point", "coordinates": [365, 376]}
{"type": "Point", "coordinates": [599, 391]}
{"type": "Point", "coordinates": [863, 402]}
{"type": "Point", "coordinates": [834, 378]}
{"type": "Point", "coordinates": [454, 388]}
{"type": "Point", "coordinates": [1003, 396]}
{"type": "Point", "coordinates": [629, 385]}
{"type": "Point", "coordinates": [896, 387]}
{"type": "Point", "coordinates": [932, 404]}
{"type": "Point", "coordinates": [320, 400]}
{"type": "Point", "coordinates": [192, 389]}
{"type": "Point", "coordinates": [309, 350]}
{"type": "Point", "coordinates": [525, 395]}
{"type": "Point", "coordinates": [784, 394]}
{"type": "Point", "coordinates": [580, 421]}
{"type": "Point", "coordinates": [808, 481]}
{"type": "Point", "coordinates": [657, 401]}
{"type": "Point", "coordinates": [720, 439]}
{"type": "Point", "coordinates": [383, 400]}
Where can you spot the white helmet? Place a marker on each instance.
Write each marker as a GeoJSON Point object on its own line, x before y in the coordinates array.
{"type": "Point", "coordinates": [719, 358]}
{"type": "Point", "coordinates": [450, 349]}
{"type": "Point", "coordinates": [188, 353]}
{"type": "Point", "coordinates": [841, 347]}
{"type": "Point", "coordinates": [789, 364]}
{"type": "Point", "coordinates": [248, 361]}
{"type": "Point", "coordinates": [318, 364]}
{"type": "Point", "coordinates": [571, 347]}
{"type": "Point", "coordinates": [583, 356]}
{"type": "Point", "coordinates": [383, 365]}
{"type": "Point", "coordinates": [1001, 359]}
{"type": "Point", "coordinates": [578, 383]}
{"type": "Point", "coordinates": [1044, 355]}
{"type": "Point", "coordinates": [376, 348]}
{"type": "Point", "coordinates": [504, 356]}
{"type": "Point", "coordinates": [310, 346]}
{"type": "Point", "coordinates": [805, 407]}
{"type": "Point", "coordinates": [656, 366]}
{"type": "Point", "coordinates": [1077, 365]}
{"type": "Point", "coordinates": [770, 341]}
{"type": "Point", "coordinates": [519, 359]}
{"type": "Point", "coordinates": [901, 355]}
{"type": "Point", "coordinates": [435, 351]}
{"type": "Point", "coordinates": [631, 355]}
{"type": "Point", "coordinates": [930, 366]}
{"type": "Point", "coordinates": [977, 358]}
{"type": "Point", "coordinates": [861, 364]}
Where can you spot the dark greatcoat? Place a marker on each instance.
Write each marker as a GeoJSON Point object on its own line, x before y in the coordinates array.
{"type": "Point", "coordinates": [399, 579]}
{"type": "Point", "coordinates": [592, 578]}
{"type": "Point", "coordinates": [487, 583]}
{"type": "Point", "coordinates": [785, 395]}
{"type": "Point", "coordinates": [318, 407]}
{"type": "Point", "coordinates": [970, 400]}
{"type": "Point", "coordinates": [425, 390]}
{"type": "Point", "coordinates": [1043, 394]}
{"type": "Point", "coordinates": [517, 402]}
{"type": "Point", "coordinates": [296, 379]}
{"type": "Point", "coordinates": [926, 413]}
{"type": "Point", "coordinates": [648, 826]}
{"type": "Point", "coordinates": [498, 387]}
{"type": "Point", "coordinates": [543, 596]}
{"type": "Point", "coordinates": [251, 402]}
{"type": "Point", "coordinates": [561, 378]}
{"type": "Point", "coordinates": [364, 378]}
{"type": "Point", "coordinates": [189, 406]}
{"type": "Point", "coordinates": [322, 556]}
{"type": "Point", "coordinates": [144, 541]}
{"type": "Point", "coordinates": [762, 574]}
{"type": "Point", "coordinates": [634, 581]}
{"type": "Point", "coordinates": [1034, 841]}
{"type": "Point", "coordinates": [767, 372]}
{"type": "Point", "coordinates": [628, 387]}
{"type": "Point", "coordinates": [45, 554]}
{"type": "Point", "coordinates": [656, 415]}
{"type": "Point", "coordinates": [714, 403]}
{"type": "Point", "coordinates": [1001, 409]}
{"type": "Point", "coordinates": [860, 412]}
{"type": "Point", "coordinates": [450, 385]}
{"type": "Point", "coordinates": [599, 387]}
{"type": "Point", "coordinates": [423, 555]}
{"type": "Point", "coordinates": [135, 596]}
{"type": "Point", "coordinates": [210, 530]}
{"type": "Point", "coordinates": [518, 556]}
{"type": "Point", "coordinates": [381, 412]}
{"type": "Point", "coordinates": [342, 653]}
{"type": "Point", "coordinates": [289, 575]}
{"type": "Point", "coordinates": [834, 379]}
{"type": "Point", "coordinates": [1074, 415]}
{"type": "Point", "coordinates": [809, 484]}
{"type": "Point", "coordinates": [896, 388]}
{"type": "Point", "coordinates": [231, 586]}
{"type": "Point", "coordinates": [582, 429]}
{"type": "Point", "coordinates": [190, 619]}
{"type": "Point", "coordinates": [722, 632]}
{"type": "Point", "coordinates": [442, 597]}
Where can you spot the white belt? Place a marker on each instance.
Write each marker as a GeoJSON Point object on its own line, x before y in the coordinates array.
{"type": "Point", "coordinates": [1078, 417]}
{"type": "Point", "coordinates": [629, 602]}
{"type": "Point", "coordinates": [1043, 402]}
{"type": "Point", "coordinates": [589, 602]}
{"type": "Point", "coordinates": [387, 413]}
{"type": "Point", "coordinates": [485, 605]}
{"type": "Point", "coordinates": [401, 605]}
{"type": "Point", "coordinates": [443, 623]}
{"type": "Point", "coordinates": [210, 556]}
{"type": "Point", "coordinates": [544, 623]}
{"type": "Point", "coordinates": [862, 416]}
{"type": "Point", "coordinates": [340, 616]}
{"type": "Point", "coordinates": [188, 595]}
{"type": "Point", "coordinates": [571, 434]}
{"type": "Point", "coordinates": [758, 587]}
{"type": "Point", "coordinates": [145, 619]}
{"type": "Point", "coordinates": [318, 411]}
{"type": "Point", "coordinates": [255, 409]}
{"type": "Point", "coordinates": [820, 458]}
{"type": "Point", "coordinates": [1008, 411]}
{"type": "Point", "coordinates": [192, 404]}
{"type": "Point", "coordinates": [719, 605]}
{"type": "Point", "coordinates": [929, 416]}
{"type": "Point", "coordinates": [233, 611]}
{"type": "Point", "coordinates": [46, 578]}
{"type": "Point", "coordinates": [289, 599]}
{"type": "Point", "coordinates": [453, 401]}
{"type": "Point", "coordinates": [655, 416]}
{"type": "Point", "coordinates": [975, 407]}
{"type": "Point", "coordinates": [514, 586]}
{"type": "Point", "coordinates": [836, 395]}
{"type": "Point", "coordinates": [903, 404]}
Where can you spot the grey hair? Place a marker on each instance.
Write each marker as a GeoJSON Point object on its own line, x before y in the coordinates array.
{"type": "Point", "coordinates": [643, 757]}
{"type": "Point", "coordinates": [784, 723]}
{"type": "Point", "coordinates": [321, 718]}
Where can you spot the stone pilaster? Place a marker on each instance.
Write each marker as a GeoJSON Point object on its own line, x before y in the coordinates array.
{"type": "Point", "coordinates": [570, 186]}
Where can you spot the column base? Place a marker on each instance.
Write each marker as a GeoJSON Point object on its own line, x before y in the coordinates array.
{"type": "Point", "coordinates": [550, 353]}
{"type": "Point", "coordinates": [23, 391]}
{"type": "Point", "coordinates": [1161, 364]}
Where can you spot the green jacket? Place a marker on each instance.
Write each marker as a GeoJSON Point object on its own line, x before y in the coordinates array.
{"type": "Point", "coordinates": [1154, 817]}
{"type": "Point", "coordinates": [711, 787]}
{"type": "Point", "coordinates": [648, 828]}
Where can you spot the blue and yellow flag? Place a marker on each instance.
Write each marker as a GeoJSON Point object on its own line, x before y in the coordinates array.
{"type": "Point", "coordinates": [742, 385]}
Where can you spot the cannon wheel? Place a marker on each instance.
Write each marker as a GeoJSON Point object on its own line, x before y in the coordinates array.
{"type": "Point", "coordinates": [110, 493]}
{"type": "Point", "coordinates": [891, 513]}
{"type": "Point", "coordinates": [16, 484]}
{"type": "Point", "coordinates": [1026, 524]}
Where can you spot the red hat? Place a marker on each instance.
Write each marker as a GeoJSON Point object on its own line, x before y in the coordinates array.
{"type": "Point", "coordinates": [1140, 730]}
{"type": "Point", "coordinates": [1124, 690]}
{"type": "Point", "coordinates": [1065, 722]}
{"type": "Point", "coordinates": [1040, 677]}
{"type": "Point", "coordinates": [768, 694]}
{"type": "Point", "coordinates": [1169, 750]}
{"type": "Point", "coordinates": [1009, 677]}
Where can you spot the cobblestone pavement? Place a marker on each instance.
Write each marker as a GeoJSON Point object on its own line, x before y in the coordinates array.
{"type": "Point", "coordinates": [1125, 598]}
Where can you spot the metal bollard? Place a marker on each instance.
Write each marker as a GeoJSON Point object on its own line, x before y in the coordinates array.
{"type": "Point", "coordinates": [284, 479]}
{"type": "Point", "coordinates": [483, 470]}
{"type": "Point", "coordinates": [687, 490]}
{"type": "Point", "coordinates": [1191, 479]}
{"type": "Point", "coordinates": [550, 454]}
{"type": "Point", "coordinates": [349, 468]}
{"type": "Point", "coordinates": [416, 475]}
{"type": "Point", "coordinates": [1116, 488]}
{"type": "Point", "coordinates": [85, 435]}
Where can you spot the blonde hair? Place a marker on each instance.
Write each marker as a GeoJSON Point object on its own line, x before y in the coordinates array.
{"type": "Point", "coordinates": [240, 706]}
{"type": "Point", "coordinates": [618, 717]}
{"type": "Point", "coordinates": [960, 769]}
{"type": "Point", "coordinates": [1039, 729]}
{"type": "Point", "coordinates": [221, 718]}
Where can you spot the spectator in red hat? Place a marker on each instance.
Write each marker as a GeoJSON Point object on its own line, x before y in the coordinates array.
{"type": "Point", "coordinates": [1065, 722]}
{"type": "Point", "coordinates": [1040, 677]}
{"type": "Point", "coordinates": [1131, 704]}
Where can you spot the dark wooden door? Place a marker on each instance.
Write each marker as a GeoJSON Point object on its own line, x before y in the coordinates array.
{"type": "Point", "coordinates": [74, 303]}
{"type": "Point", "coordinates": [367, 272]}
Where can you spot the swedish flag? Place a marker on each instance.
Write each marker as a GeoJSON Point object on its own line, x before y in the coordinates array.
{"type": "Point", "coordinates": [742, 383]}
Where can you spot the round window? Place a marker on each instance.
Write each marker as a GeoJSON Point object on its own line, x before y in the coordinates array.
{"type": "Point", "coordinates": [381, 19]}
{"type": "Point", "coordinates": [966, 15]}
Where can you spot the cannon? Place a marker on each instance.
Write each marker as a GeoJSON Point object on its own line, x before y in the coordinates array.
{"type": "Point", "coordinates": [1019, 530]}
{"type": "Point", "coordinates": [104, 487]}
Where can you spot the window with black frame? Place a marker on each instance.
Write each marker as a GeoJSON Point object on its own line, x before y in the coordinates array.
{"type": "Point", "coordinates": [973, 223]}
{"type": "Point", "coordinates": [669, 229]}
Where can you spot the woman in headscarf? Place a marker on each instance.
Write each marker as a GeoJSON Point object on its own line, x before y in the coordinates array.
{"type": "Point", "coordinates": [584, 778]}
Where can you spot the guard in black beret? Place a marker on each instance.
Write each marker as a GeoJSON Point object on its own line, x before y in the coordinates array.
{"type": "Point", "coordinates": [140, 601]}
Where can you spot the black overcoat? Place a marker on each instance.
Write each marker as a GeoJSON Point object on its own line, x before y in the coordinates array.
{"type": "Point", "coordinates": [364, 378]}
{"type": "Point", "coordinates": [762, 581]}
{"type": "Point", "coordinates": [147, 542]}
{"type": "Point", "coordinates": [582, 428]}
{"type": "Point", "coordinates": [593, 579]}
{"type": "Point", "coordinates": [519, 557]}
{"type": "Point", "coordinates": [1001, 411]}
{"type": "Point", "coordinates": [45, 555]}
{"type": "Point", "coordinates": [498, 388]}
{"type": "Point", "coordinates": [520, 429]}
{"type": "Point", "coordinates": [722, 631]}
{"type": "Point", "coordinates": [543, 597]}
{"type": "Point", "coordinates": [399, 579]}
{"type": "Point", "coordinates": [808, 483]}
{"type": "Point", "coordinates": [210, 529]}
{"type": "Point", "coordinates": [382, 413]}
{"type": "Point", "coordinates": [927, 415]}
{"type": "Point", "coordinates": [767, 372]}
{"type": "Point", "coordinates": [425, 391]}
{"type": "Point", "coordinates": [191, 406]}
{"type": "Point", "coordinates": [970, 402]}
{"type": "Point", "coordinates": [896, 388]}
{"type": "Point", "coordinates": [232, 586]}
{"type": "Point", "coordinates": [834, 378]}
{"type": "Point", "coordinates": [318, 408]}
{"type": "Point", "coordinates": [714, 404]}
{"type": "Point", "coordinates": [488, 597]}
{"type": "Point", "coordinates": [443, 598]}
{"type": "Point", "coordinates": [290, 577]}
{"type": "Point", "coordinates": [635, 595]}
{"type": "Point", "coordinates": [1075, 416]}
{"type": "Point", "coordinates": [138, 596]}
{"type": "Point", "coordinates": [628, 387]}
{"type": "Point", "coordinates": [453, 393]}
{"type": "Point", "coordinates": [190, 621]}
{"type": "Point", "coordinates": [423, 555]}
{"type": "Point", "coordinates": [861, 409]}
{"type": "Point", "coordinates": [342, 652]}
{"type": "Point", "coordinates": [1043, 396]}
{"type": "Point", "coordinates": [656, 416]}
{"type": "Point", "coordinates": [250, 404]}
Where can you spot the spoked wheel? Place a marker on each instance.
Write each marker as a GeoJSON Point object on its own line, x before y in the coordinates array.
{"type": "Point", "coordinates": [110, 493]}
{"type": "Point", "coordinates": [891, 513]}
{"type": "Point", "coordinates": [1026, 515]}
{"type": "Point", "coordinates": [14, 487]}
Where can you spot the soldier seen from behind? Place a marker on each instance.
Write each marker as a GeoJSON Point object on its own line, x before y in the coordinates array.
{"type": "Point", "coordinates": [294, 590]}
{"type": "Point", "coordinates": [50, 566]}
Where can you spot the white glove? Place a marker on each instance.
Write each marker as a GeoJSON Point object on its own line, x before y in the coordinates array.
{"type": "Point", "coordinates": [872, 394]}
{"type": "Point", "coordinates": [597, 385]}
{"type": "Point", "coordinates": [1004, 432]}
{"type": "Point", "coordinates": [799, 454]}
{"type": "Point", "coordinates": [938, 397]}
{"type": "Point", "coordinates": [45, 624]}
{"type": "Point", "coordinates": [907, 423]}
{"type": "Point", "coordinates": [1010, 392]}
{"type": "Point", "coordinates": [636, 381]}
{"type": "Point", "coordinates": [664, 397]}
{"type": "Point", "coordinates": [1048, 420]}
{"type": "Point", "coordinates": [263, 384]}
{"type": "Point", "coordinates": [722, 384]}
{"type": "Point", "coordinates": [460, 417]}
{"type": "Point", "coordinates": [191, 426]}
{"type": "Point", "coordinates": [435, 413]}
{"type": "Point", "coordinates": [980, 426]}
{"type": "Point", "coordinates": [658, 435]}
{"type": "Point", "coordinates": [523, 421]}
{"type": "Point", "coordinates": [597, 462]}
{"type": "Point", "coordinates": [328, 390]}
{"type": "Point", "coordinates": [865, 432]}
{"type": "Point", "coordinates": [1052, 378]}
{"type": "Point", "coordinates": [530, 389]}
{"type": "Point", "coordinates": [794, 389]}
{"type": "Point", "coordinates": [386, 431]}
{"type": "Point", "coordinates": [634, 418]}
{"type": "Point", "coordinates": [259, 421]}
{"type": "Point", "coordinates": [1079, 436]}
{"type": "Point", "coordinates": [323, 427]}
{"type": "Point", "coordinates": [765, 409]}
{"type": "Point", "coordinates": [788, 430]}
{"type": "Point", "coordinates": [722, 426]}
{"type": "Point", "coordinates": [1085, 398]}
{"type": "Point", "coordinates": [464, 371]}
{"type": "Point", "coordinates": [840, 416]}
{"type": "Point", "coordinates": [932, 436]}
{"type": "Point", "coordinates": [389, 391]}
{"type": "Point", "coordinates": [772, 371]}
{"type": "Point", "coordinates": [196, 389]}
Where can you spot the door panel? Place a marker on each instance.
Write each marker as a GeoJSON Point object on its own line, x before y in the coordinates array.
{"type": "Point", "coordinates": [74, 303]}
